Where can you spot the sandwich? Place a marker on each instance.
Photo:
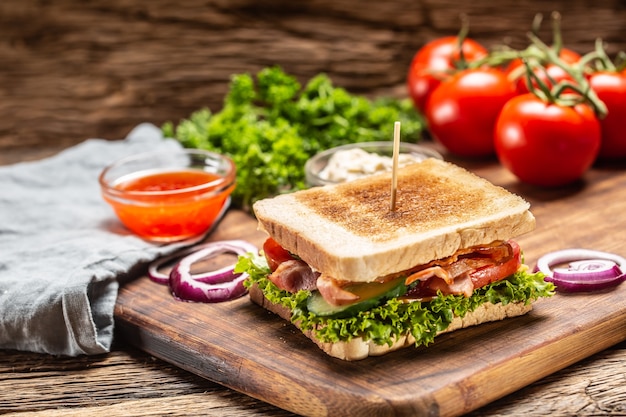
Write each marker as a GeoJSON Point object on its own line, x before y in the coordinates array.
{"type": "Point", "coordinates": [362, 278]}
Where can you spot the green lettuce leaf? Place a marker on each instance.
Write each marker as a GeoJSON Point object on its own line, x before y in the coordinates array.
{"type": "Point", "coordinates": [393, 318]}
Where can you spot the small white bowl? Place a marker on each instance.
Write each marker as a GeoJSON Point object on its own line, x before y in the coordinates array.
{"type": "Point", "coordinates": [315, 166]}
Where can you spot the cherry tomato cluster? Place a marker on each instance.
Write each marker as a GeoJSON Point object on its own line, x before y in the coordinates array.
{"type": "Point", "coordinates": [546, 112]}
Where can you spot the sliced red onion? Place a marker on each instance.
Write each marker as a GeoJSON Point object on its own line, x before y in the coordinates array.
{"type": "Point", "coordinates": [588, 270]}
{"type": "Point", "coordinates": [153, 269]}
{"type": "Point", "coordinates": [159, 277]}
{"type": "Point", "coordinates": [214, 286]}
{"type": "Point", "coordinates": [201, 292]}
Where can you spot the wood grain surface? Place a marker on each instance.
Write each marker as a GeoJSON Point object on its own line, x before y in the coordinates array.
{"type": "Point", "coordinates": [71, 70]}
{"type": "Point", "coordinates": [128, 382]}
{"type": "Point", "coordinates": [243, 347]}
{"type": "Point", "coordinates": [132, 382]}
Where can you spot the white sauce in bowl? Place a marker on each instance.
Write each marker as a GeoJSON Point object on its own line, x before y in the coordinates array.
{"type": "Point", "coordinates": [349, 164]}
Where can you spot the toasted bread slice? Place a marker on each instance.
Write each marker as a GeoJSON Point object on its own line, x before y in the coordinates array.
{"type": "Point", "coordinates": [358, 348]}
{"type": "Point", "coordinates": [349, 232]}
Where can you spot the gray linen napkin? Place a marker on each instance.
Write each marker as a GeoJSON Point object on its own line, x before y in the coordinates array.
{"type": "Point", "coordinates": [63, 251]}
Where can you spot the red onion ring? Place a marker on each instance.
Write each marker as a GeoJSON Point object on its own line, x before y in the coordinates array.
{"type": "Point", "coordinates": [208, 287]}
{"type": "Point", "coordinates": [201, 292]}
{"type": "Point", "coordinates": [153, 268]}
{"type": "Point", "coordinates": [588, 270]}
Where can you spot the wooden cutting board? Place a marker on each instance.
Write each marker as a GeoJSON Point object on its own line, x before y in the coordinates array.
{"type": "Point", "coordinates": [243, 347]}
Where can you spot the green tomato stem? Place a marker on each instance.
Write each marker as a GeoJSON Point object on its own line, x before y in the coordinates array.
{"type": "Point", "coordinates": [581, 85]}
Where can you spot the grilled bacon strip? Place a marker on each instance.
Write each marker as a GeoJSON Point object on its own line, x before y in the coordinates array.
{"type": "Point", "coordinates": [294, 275]}
{"type": "Point", "coordinates": [458, 274]}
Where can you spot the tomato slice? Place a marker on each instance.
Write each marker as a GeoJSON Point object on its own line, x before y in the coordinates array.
{"type": "Point", "coordinates": [500, 270]}
{"type": "Point", "coordinates": [483, 266]}
{"type": "Point", "coordinates": [275, 254]}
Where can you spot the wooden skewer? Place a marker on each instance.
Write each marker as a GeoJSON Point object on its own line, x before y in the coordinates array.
{"type": "Point", "coordinates": [394, 166]}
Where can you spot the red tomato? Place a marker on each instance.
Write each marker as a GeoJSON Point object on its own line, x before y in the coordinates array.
{"type": "Point", "coordinates": [611, 89]}
{"type": "Point", "coordinates": [492, 270]}
{"type": "Point", "coordinates": [462, 111]}
{"type": "Point", "coordinates": [546, 144]}
{"type": "Point", "coordinates": [496, 272]}
{"type": "Point", "coordinates": [432, 63]}
{"type": "Point", "coordinates": [552, 71]}
{"type": "Point", "coordinates": [275, 254]}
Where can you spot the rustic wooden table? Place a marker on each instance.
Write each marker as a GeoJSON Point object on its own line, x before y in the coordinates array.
{"type": "Point", "coordinates": [128, 381]}
{"type": "Point", "coordinates": [73, 69]}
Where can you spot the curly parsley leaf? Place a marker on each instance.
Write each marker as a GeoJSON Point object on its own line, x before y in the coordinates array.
{"type": "Point", "coordinates": [270, 125]}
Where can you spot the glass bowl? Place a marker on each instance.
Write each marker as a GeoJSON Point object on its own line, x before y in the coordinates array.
{"type": "Point", "coordinates": [167, 196]}
{"type": "Point", "coordinates": [355, 160]}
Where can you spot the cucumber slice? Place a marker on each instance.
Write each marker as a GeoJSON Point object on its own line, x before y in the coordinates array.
{"type": "Point", "coordinates": [370, 295]}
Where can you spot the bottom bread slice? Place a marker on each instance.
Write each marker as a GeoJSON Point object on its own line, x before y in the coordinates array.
{"type": "Point", "coordinates": [358, 348]}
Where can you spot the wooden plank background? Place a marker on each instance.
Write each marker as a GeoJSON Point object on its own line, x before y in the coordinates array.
{"type": "Point", "coordinates": [131, 383]}
{"type": "Point", "coordinates": [71, 69]}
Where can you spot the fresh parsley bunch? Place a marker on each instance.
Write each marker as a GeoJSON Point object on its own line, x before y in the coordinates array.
{"type": "Point", "coordinates": [272, 126]}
